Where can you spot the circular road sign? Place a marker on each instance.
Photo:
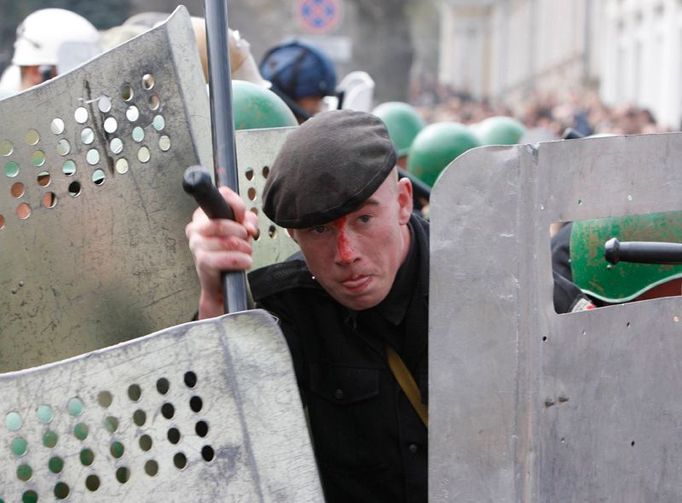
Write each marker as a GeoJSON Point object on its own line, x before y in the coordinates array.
{"type": "Point", "coordinates": [318, 16]}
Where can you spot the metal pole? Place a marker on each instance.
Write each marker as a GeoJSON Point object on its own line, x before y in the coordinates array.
{"type": "Point", "coordinates": [222, 129]}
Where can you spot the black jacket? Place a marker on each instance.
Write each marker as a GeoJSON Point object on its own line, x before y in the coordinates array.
{"type": "Point", "coordinates": [369, 442]}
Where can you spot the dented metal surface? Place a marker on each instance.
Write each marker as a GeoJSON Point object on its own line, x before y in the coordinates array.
{"type": "Point", "coordinates": [207, 411]}
{"type": "Point", "coordinates": [93, 162]}
{"type": "Point", "coordinates": [98, 155]}
{"type": "Point", "coordinates": [528, 405]}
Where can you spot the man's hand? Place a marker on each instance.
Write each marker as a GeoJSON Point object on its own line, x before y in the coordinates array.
{"type": "Point", "coordinates": [220, 245]}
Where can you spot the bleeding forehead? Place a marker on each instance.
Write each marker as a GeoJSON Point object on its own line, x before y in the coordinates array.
{"type": "Point", "coordinates": [340, 222]}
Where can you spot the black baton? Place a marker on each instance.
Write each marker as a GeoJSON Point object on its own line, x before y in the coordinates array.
{"type": "Point", "coordinates": [642, 252]}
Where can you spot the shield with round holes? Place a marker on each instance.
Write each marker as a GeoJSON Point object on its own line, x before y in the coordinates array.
{"type": "Point", "coordinates": [92, 213]}
{"type": "Point", "coordinates": [256, 149]}
{"type": "Point", "coordinates": [192, 413]}
{"type": "Point", "coordinates": [527, 404]}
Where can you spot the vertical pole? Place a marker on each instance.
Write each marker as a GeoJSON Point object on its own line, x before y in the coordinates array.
{"type": "Point", "coordinates": [222, 129]}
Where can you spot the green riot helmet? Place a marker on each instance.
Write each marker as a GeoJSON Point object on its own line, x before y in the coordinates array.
{"type": "Point", "coordinates": [623, 281]}
{"type": "Point", "coordinates": [436, 146]}
{"type": "Point", "coordinates": [499, 131]}
{"type": "Point", "coordinates": [403, 123]}
{"type": "Point", "coordinates": [255, 107]}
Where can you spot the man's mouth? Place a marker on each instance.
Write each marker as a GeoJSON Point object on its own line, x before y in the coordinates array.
{"type": "Point", "coordinates": [356, 282]}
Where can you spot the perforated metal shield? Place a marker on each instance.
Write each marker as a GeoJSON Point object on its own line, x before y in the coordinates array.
{"type": "Point", "coordinates": [525, 404]}
{"type": "Point", "coordinates": [92, 212]}
{"type": "Point", "coordinates": [256, 150]}
{"type": "Point", "coordinates": [193, 413]}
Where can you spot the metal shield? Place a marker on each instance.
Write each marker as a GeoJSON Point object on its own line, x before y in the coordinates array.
{"type": "Point", "coordinates": [204, 412]}
{"type": "Point", "coordinates": [256, 150]}
{"type": "Point", "coordinates": [525, 404]}
{"type": "Point", "coordinates": [92, 213]}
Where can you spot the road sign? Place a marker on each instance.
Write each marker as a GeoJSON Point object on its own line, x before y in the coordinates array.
{"type": "Point", "coordinates": [319, 16]}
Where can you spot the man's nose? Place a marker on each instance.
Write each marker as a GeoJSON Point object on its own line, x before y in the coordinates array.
{"type": "Point", "coordinates": [345, 250]}
{"type": "Point", "coordinates": [345, 247]}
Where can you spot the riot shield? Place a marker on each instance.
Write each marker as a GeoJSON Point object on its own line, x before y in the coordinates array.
{"type": "Point", "coordinates": [528, 405]}
{"type": "Point", "coordinates": [193, 413]}
{"type": "Point", "coordinates": [92, 211]}
{"type": "Point", "coordinates": [92, 214]}
{"type": "Point", "coordinates": [256, 149]}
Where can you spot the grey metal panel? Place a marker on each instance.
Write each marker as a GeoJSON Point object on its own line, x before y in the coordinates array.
{"type": "Point", "coordinates": [252, 445]}
{"type": "Point", "coordinates": [472, 344]}
{"type": "Point", "coordinates": [109, 261]}
{"type": "Point", "coordinates": [256, 150]}
{"type": "Point", "coordinates": [528, 405]}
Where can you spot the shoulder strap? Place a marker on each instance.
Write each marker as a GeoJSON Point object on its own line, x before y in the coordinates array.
{"type": "Point", "coordinates": [407, 383]}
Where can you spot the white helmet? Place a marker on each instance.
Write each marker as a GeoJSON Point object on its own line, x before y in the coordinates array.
{"type": "Point", "coordinates": [43, 32]}
{"type": "Point", "coordinates": [10, 81]}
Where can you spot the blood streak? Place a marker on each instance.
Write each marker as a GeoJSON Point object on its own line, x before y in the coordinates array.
{"type": "Point", "coordinates": [342, 243]}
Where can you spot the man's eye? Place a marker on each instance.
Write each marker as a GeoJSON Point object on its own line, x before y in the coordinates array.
{"type": "Point", "coordinates": [318, 229]}
{"type": "Point", "coordinates": [364, 218]}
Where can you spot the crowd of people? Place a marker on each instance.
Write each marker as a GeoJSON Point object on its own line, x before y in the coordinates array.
{"type": "Point", "coordinates": [581, 109]}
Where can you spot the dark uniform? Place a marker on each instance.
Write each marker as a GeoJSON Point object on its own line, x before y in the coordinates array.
{"type": "Point", "coordinates": [370, 443]}
{"type": "Point", "coordinates": [567, 295]}
{"type": "Point", "coordinates": [561, 252]}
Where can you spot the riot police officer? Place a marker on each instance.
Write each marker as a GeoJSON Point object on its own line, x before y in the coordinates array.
{"type": "Point", "coordinates": [436, 146]}
{"type": "Point", "coordinates": [256, 107]}
{"type": "Point", "coordinates": [46, 43]}
{"type": "Point", "coordinates": [403, 123]}
{"type": "Point", "coordinates": [301, 74]}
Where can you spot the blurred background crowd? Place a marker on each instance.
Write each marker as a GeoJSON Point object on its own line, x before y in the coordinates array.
{"type": "Point", "coordinates": [582, 110]}
{"type": "Point", "coordinates": [610, 66]}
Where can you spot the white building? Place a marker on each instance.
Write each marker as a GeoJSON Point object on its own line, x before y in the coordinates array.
{"type": "Point", "coordinates": [629, 49]}
{"type": "Point", "coordinates": [643, 57]}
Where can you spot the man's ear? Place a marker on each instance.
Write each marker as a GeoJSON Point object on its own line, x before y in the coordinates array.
{"type": "Point", "coordinates": [292, 234]}
{"type": "Point", "coordinates": [405, 200]}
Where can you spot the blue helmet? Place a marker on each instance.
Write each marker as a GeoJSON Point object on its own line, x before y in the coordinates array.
{"type": "Point", "coordinates": [299, 70]}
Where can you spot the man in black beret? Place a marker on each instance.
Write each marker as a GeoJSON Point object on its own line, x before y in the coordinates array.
{"type": "Point", "coordinates": [353, 304]}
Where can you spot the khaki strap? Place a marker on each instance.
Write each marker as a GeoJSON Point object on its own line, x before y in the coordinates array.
{"type": "Point", "coordinates": [407, 383]}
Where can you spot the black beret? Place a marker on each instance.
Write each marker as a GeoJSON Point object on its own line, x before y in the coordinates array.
{"type": "Point", "coordinates": [328, 167]}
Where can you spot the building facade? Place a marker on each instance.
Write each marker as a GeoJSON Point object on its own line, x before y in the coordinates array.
{"type": "Point", "coordinates": [643, 58]}
{"type": "Point", "coordinates": [627, 49]}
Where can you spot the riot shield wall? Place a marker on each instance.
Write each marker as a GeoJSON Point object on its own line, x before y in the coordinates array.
{"type": "Point", "coordinates": [525, 404]}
